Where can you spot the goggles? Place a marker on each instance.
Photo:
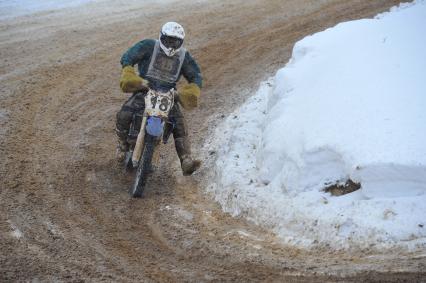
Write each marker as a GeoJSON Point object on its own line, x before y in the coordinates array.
{"type": "Point", "coordinates": [171, 42]}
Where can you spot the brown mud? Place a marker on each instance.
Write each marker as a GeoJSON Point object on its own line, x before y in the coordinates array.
{"type": "Point", "coordinates": [65, 213]}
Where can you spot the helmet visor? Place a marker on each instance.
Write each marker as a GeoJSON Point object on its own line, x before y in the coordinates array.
{"type": "Point", "coordinates": [171, 42]}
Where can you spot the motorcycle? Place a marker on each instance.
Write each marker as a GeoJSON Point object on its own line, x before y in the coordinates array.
{"type": "Point", "coordinates": [146, 132]}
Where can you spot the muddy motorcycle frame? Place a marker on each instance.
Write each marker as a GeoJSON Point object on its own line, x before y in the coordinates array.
{"type": "Point", "coordinates": [150, 127]}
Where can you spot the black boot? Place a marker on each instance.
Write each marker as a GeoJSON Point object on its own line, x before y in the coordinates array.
{"type": "Point", "coordinates": [122, 145]}
{"type": "Point", "coordinates": [183, 150]}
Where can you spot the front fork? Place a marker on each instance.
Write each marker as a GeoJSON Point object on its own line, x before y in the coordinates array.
{"type": "Point", "coordinates": [155, 127]}
{"type": "Point", "coordinates": [137, 151]}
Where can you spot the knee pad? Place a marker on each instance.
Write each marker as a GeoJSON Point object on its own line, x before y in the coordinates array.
{"type": "Point", "coordinates": [124, 118]}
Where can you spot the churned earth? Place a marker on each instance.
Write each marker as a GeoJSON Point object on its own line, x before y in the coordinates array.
{"type": "Point", "coordinates": [65, 213]}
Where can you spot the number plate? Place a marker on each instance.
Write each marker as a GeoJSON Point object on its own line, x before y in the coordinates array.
{"type": "Point", "coordinates": [158, 104]}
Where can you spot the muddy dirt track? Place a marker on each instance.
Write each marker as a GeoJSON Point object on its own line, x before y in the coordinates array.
{"type": "Point", "coordinates": [64, 209]}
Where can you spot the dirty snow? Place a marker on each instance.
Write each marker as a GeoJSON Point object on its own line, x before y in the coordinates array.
{"type": "Point", "coordinates": [14, 8]}
{"type": "Point", "coordinates": [16, 233]}
{"type": "Point", "coordinates": [350, 104]}
{"type": "Point", "coordinates": [17, 8]}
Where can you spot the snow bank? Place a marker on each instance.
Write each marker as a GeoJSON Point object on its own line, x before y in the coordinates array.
{"type": "Point", "coordinates": [350, 104]}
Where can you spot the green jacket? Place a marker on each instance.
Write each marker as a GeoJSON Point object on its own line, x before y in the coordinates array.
{"type": "Point", "coordinates": [140, 54]}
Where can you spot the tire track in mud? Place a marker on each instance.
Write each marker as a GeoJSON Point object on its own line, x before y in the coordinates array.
{"type": "Point", "coordinates": [64, 191]}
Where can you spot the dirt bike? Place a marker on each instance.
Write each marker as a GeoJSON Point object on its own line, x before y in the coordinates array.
{"type": "Point", "coordinates": [146, 132]}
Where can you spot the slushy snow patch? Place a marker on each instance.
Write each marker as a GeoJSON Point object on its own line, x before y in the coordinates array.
{"type": "Point", "coordinates": [16, 233]}
{"type": "Point", "coordinates": [350, 104]}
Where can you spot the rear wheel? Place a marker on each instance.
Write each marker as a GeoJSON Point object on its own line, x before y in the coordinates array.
{"type": "Point", "coordinates": [144, 167]}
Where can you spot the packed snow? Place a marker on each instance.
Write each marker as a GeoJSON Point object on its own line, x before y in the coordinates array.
{"type": "Point", "coordinates": [349, 105]}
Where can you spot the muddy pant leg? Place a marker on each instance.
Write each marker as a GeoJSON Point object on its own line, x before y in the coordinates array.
{"type": "Point", "coordinates": [125, 115]}
{"type": "Point", "coordinates": [182, 144]}
{"type": "Point", "coordinates": [122, 125]}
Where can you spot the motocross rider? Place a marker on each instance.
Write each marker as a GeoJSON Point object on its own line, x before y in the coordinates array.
{"type": "Point", "coordinates": [160, 64]}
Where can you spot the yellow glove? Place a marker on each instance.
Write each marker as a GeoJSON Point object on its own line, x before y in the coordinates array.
{"type": "Point", "coordinates": [130, 82]}
{"type": "Point", "coordinates": [189, 95]}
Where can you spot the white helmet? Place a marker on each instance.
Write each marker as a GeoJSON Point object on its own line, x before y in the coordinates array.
{"type": "Point", "coordinates": [171, 38]}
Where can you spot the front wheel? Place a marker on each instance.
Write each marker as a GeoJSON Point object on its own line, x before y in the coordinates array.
{"type": "Point", "coordinates": [144, 166]}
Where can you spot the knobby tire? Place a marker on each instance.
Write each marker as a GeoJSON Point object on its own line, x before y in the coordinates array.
{"type": "Point", "coordinates": [144, 167]}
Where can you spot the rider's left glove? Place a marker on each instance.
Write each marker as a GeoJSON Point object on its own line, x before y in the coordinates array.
{"type": "Point", "coordinates": [189, 96]}
{"type": "Point", "coordinates": [130, 81]}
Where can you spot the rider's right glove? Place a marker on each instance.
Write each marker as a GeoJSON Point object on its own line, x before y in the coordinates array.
{"type": "Point", "coordinates": [130, 82]}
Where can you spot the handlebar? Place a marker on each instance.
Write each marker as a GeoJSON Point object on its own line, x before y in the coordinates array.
{"type": "Point", "coordinates": [144, 89]}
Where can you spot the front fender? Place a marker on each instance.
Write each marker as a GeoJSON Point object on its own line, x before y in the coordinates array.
{"type": "Point", "coordinates": [155, 126]}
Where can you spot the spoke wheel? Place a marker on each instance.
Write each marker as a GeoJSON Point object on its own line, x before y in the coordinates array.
{"type": "Point", "coordinates": [144, 167]}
